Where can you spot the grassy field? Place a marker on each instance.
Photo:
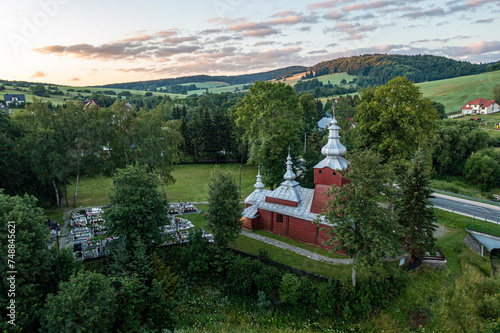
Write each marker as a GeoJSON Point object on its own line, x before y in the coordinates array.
{"type": "Point", "coordinates": [205, 85]}
{"type": "Point", "coordinates": [454, 93]}
{"type": "Point", "coordinates": [191, 184]}
{"type": "Point", "coordinates": [218, 90]}
{"type": "Point", "coordinates": [59, 99]}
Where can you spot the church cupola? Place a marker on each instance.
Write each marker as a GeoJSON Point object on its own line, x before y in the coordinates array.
{"type": "Point", "coordinates": [333, 150]}
{"type": "Point", "coordinates": [329, 171]}
{"type": "Point", "coordinates": [258, 184]}
{"type": "Point", "coordinates": [289, 175]}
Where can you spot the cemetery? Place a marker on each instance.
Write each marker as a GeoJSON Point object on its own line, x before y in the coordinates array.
{"type": "Point", "coordinates": [89, 237]}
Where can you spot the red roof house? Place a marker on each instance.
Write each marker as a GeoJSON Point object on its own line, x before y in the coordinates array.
{"type": "Point", "coordinates": [481, 106]}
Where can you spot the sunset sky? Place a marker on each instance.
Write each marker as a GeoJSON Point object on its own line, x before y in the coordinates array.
{"type": "Point", "coordinates": [75, 42]}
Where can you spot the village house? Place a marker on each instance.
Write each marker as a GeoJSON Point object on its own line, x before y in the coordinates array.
{"type": "Point", "coordinates": [5, 109]}
{"type": "Point", "coordinates": [480, 106]}
{"type": "Point", "coordinates": [291, 210]}
{"type": "Point", "coordinates": [14, 99]}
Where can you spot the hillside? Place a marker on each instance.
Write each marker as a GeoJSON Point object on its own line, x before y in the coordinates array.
{"type": "Point", "coordinates": [380, 68]}
{"type": "Point", "coordinates": [231, 80]}
{"type": "Point", "coordinates": [68, 92]}
{"type": "Point", "coordinates": [454, 93]}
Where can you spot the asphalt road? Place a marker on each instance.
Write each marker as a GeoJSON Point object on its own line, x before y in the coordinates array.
{"type": "Point", "coordinates": [478, 210]}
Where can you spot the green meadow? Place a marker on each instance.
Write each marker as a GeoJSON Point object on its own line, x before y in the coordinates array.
{"type": "Point", "coordinates": [454, 93]}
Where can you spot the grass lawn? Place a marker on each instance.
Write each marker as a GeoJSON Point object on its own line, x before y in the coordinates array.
{"type": "Point", "coordinates": [302, 245]}
{"type": "Point", "coordinates": [92, 191]}
{"type": "Point", "coordinates": [454, 93]}
{"type": "Point", "coordinates": [191, 184]}
{"type": "Point", "coordinates": [192, 181]}
{"type": "Point", "coordinates": [55, 215]}
{"type": "Point", "coordinates": [250, 245]}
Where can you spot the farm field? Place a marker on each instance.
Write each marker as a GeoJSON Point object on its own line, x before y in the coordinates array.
{"type": "Point", "coordinates": [454, 93]}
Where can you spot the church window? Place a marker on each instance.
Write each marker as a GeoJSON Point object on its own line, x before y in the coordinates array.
{"type": "Point", "coordinates": [320, 171]}
{"type": "Point", "coordinates": [279, 218]}
{"type": "Point", "coordinates": [334, 173]}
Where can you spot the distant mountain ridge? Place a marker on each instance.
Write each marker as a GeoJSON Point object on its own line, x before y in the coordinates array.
{"type": "Point", "coordinates": [236, 79]}
{"type": "Point", "coordinates": [380, 68]}
{"type": "Point", "coordinates": [375, 69]}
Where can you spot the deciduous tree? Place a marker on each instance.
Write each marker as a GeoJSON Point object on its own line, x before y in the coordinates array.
{"type": "Point", "coordinates": [361, 227]}
{"type": "Point", "coordinates": [395, 120]}
{"type": "Point", "coordinates": [271, 116]}
{"type": "Point", "coordinates": [137, 210]}
{"type": "Point", "coordinates": [224, 212]}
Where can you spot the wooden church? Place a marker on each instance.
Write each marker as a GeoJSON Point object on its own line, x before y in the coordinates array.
{"type": "Point", "coordinates": [290, 209]}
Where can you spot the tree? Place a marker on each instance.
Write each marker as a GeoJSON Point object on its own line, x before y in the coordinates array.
{"type": "Point", "coordinates": [272, 119]}
{"type": "Point", "coordinates": [224, 212]}
{"type": "Point", "coordinates": [455, 142]}
{"type": "Point", "coordinates": [496, 92]}
{"type": "Point", "coordinates": [157, 143]}
{"type": "Point", "coordinates": [440, 110]}
{"type": "Point", "coordinates": [311, 156]}
{"type": "Point", "coordinates": [39, 90]}
{"type": "Point", "coordinates": [137, 210]}
{"type": "Point", "coordinates": [395, 120]}
{"type": "Point", "coordinates": [85, 303]}
{"type": "Point", "coordinates": [310, 114]}
{"type": "Point", "coordinates": [414, 212]}
{"type": "Point", "coordinates": [343, 81]}
{"type": "Point", "coordinates": [483, 168]}
{"type": "Point", "coordinates": [28, 252]}
{"type": "Point", "coordinates": [41, 144]}
{"type": "Point", "coordinates": [361, 228]}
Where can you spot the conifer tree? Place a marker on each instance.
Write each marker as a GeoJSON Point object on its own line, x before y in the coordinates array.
{"type": "Point", "coordinates": [415, 214]}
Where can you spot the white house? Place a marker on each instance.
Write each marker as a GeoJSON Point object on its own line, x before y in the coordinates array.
{"type": "Point", "coordinates": [480, 106]}
{"type": "Point", "coordinates": [15, 99]}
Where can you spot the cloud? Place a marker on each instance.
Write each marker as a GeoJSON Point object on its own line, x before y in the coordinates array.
{"type": "Point", "coordinates": [305, 28]}
{"type": "Point", "coordinates": [264, 42]}
{"type": "Point", "coordinates": [333, 15]}
{"type": "Point", "coordinates": [484, 21]}
{"type": "Point", "coordinates": [210, 31]}
{"type": "Point", "coordinates": [39, 74]}
{"type": "Point", "coordinates": [317, 52]}
{"type": "Point", "coordinates": [179, 40]}
{"type": "Point", "coordinates": [170, 51]}
{"type": "Point", "coordinates": [415, 14]}
{"type": "Point", "coordinates": [469, 5]}
{"type": "Point", "coordinates": [354, 31]}
{"type": "Point", "coordinates": [160, 44]}
{"type": "Point", "coordinates": [323, 4]}
{"type": "Point", "coordinates": [476, 48]}
{"type": "Point", "coordinates": [439, 40]}
{"type": "Point", "coordinates": [74, 79]}
{"type": "Point", "coordinates": [370, 5]}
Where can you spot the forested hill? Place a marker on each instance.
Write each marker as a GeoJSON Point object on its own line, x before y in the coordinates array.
{"type": "Point", "coordinates": [380, 68]}
{"type": "Point", "coordinates": [237, 79]}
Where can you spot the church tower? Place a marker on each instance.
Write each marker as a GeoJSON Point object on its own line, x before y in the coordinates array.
{"type": "Point", "coordinates": [328, 172]}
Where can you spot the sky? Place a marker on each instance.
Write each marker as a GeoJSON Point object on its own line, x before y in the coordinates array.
{"type": "Point", "coordinates": [95, 42]}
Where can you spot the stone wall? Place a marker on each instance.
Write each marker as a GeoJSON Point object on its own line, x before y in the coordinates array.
{"type": "Point", "coordinates": [474, 244]}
